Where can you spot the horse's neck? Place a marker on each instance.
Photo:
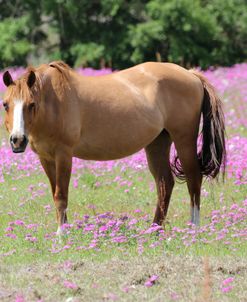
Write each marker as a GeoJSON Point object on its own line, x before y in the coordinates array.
{"type": "Point", "coordinates": [81, 80]}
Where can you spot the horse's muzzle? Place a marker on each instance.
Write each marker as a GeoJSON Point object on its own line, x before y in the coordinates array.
{"type": "Point", "coordinates": [18, 143]}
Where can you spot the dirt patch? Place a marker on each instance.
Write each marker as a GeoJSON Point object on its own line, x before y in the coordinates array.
{"type": "Point", "coordinates": [179, 279]}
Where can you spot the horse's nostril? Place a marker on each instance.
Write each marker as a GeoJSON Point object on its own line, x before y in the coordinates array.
{"type": "Point", "coordinates": [13, 139]}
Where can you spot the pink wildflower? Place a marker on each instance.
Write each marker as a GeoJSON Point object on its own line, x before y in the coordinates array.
{"type": "Point", "coordinates": [226, 289]}
{"type": "Point", "coordinates": [13, 236]}
{"type": "Point", "coordinates": [69, 284]}
{"type": "Point", "coordinates": [75, 183]}
{"type": "Point", "coordinates": [151, 281]}
{"type": "Point", "coordinates": [19, 298]}
{"type": "Point", "coordinates": [19, 222]}
{"type": "Point", "coordinates": [227, 281]}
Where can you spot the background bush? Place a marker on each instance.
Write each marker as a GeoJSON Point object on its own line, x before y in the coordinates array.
{"type": "Point", "coordinates": [120, 33]}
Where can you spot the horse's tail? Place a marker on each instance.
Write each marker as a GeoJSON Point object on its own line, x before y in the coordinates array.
{"type": "Point", "coordinates": [213, 152]}
{"type": "Point", "coordinates": [212, 155]}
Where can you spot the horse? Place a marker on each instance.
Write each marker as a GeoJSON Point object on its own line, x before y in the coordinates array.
{"type": "Point", "coordinates": [63, 115]}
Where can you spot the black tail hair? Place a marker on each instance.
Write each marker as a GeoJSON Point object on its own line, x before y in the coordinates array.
{"type": "Point", "coordinates": [212, 155]}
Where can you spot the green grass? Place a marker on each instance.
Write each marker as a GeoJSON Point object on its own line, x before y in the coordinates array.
{"type": "Point", "coordinates": [32, 269]}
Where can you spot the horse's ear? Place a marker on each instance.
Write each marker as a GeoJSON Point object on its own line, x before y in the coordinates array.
{"type": "Point", "coordinates": [31, 79]}
{"type": "Point", "coordinates": [7, 79]}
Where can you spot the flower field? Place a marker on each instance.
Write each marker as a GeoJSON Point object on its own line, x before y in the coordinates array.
{"type": "Point", "coordinates": [111, 252]}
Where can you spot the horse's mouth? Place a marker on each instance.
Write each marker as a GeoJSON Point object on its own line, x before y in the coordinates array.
{"type": "Point", "coordinates": [21, 148]}
{"type": "Point", "coordinates": [18, 150]}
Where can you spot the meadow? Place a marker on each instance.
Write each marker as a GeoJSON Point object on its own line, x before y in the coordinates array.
{"type": "Point", "coordinates": [111, 251]}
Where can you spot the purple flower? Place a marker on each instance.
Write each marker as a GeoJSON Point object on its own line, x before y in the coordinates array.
{"type": "Point", "coordinates": [10, 235]}
{"type": "Point", "coordinates": [234, 206]}
{"type": "Point", "coordinates": [226, 289]}
{"type": "Point", "coordinates": [137, 211]}
{"type": "Point", "coordinates": [31, 238]}
{"type": "Point", "coordinates": [69, 284]}
{"type": "Point", "coordinates": [67, 264]}
{"type": "Point", "coordinates": [174, 296]}
{"type": "Point", "coordinates": [19, 222]}
{"type": "Point", "coordinates": [119, 239]}
{"type": "Point", "coordinates": [89, 227]}
{"type": "Point", "coordinates": [153, 228]}
{"type": "Point", "coordinates": [225, 286]}
{"type": "Point", "coordinates": [32, 226]}
{"type": "Point", "coordinates": [103, 228]}
{"type": "Point", "coordinates": [9, 229]}
{"type": "Point", "coordinates": [151, 281]}
{"type": "Point", "coordinates": [227, 281]}
{"type": "Point", "coordinates": [66, 247]}
{"type": "Point", "coordinates": [19, 298]}
{"type": "Point", "coordinates": [75, 183]}
{"type": "Point", "coordinates": [133, 221]}
{"type": "Point", "coordinates": [47, 207]}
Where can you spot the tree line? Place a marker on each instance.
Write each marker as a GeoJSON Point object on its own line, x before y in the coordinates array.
{"type": "Point", "coordinates": [121, 33]}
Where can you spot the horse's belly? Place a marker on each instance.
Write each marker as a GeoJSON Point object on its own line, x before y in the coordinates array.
{"type": "Point", "coordinates": [105, 148]}
{"type": "Point", "coordinates": [119, 129]}
{"type": "Point", "coordinates": [102, 154]}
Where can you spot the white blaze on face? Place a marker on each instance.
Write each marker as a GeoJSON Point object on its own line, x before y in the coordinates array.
{"type": "Point", "coordinates": [18, 120]}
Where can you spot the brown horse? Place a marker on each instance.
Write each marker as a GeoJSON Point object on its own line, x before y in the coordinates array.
{"type": "Point", "coordinates": [151, 105]}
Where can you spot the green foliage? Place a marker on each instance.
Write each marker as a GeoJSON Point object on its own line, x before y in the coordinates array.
{"type": "Point", "coordinates": [144, 39]}
{"type": "Point", "coordinates": [14, 47]}
{"type": "Point", "coordinates": [121, 33]}
{"type": "Point", "coordinates": [231, 17]}
{"type": "Point", "coordinates": [87, 54]}
{"type": "Point", "coordinates": [181, 31]}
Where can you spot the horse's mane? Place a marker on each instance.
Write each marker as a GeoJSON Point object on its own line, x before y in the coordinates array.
{"type": "Point", "coordinates": [60, 65]}
{"type": "Point", "coordinates": [40, 71]}
{"type": "Point", "coordinates": [63, 71]}
{"type": "Point", "coordinates": [41, 74]}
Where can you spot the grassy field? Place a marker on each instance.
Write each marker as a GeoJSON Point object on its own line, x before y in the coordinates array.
{"type": "Point", "coordinates": [110, 251]}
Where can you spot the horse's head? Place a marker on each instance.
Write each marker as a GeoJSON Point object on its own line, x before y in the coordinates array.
{"type": "Point", "coordinates": [20, 107]}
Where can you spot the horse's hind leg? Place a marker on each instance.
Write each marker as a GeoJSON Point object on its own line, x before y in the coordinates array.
{"type": "Point", "coordinates": [187, 153]}
{"type": "Point", "coordinates": [158, 161]}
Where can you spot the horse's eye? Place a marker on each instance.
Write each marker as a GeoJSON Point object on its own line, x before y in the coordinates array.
{"type": "Point", "coordinates": [31, 106]}
{"type": "Point", "coordinates": [6, 106]}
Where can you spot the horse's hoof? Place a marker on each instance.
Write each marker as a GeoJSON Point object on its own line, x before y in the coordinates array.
{"type": "Point", "coordinates": [60, 231]}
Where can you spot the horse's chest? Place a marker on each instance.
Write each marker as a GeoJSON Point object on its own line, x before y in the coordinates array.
{"type": "Point", "coordinates": [43, 150]}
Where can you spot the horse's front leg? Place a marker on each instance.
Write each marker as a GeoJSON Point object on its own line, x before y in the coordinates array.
{"type": "Point", "coordinates": [63, 161]}
{"type": "Point", "coordinates": [50, 170]}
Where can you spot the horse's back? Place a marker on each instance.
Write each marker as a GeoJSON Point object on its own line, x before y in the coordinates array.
{"type": "Point", "coordinates": [173, 78]}
{"type": "Point", "coordinates": [177, 92]}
